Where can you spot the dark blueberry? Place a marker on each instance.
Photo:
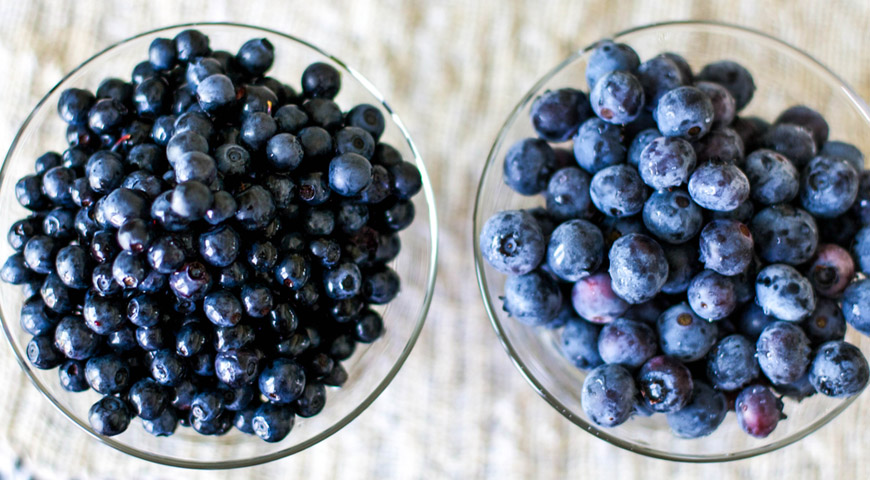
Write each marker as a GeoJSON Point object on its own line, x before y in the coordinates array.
{"type": "Point", "coordinates": [15, 270]}
{"type": "Point", "coordinates": [672, 216]}
{"type": "Point", "coordinates": [107, 374]}
{"type": "Point", "coordinates": [783, 352]}
{"type": "Point", "coordinates": [597, 145]}
{"type": "Point", "coordinates": [618, 97]}
{"type": "Point", "coordinates": [784, 293]}
{"type": "Point", "coordinates": [257, 300]}
{"type": "Point", "coordinates": [349, 174]}
{"type": "Point", "coordinates": [321, 80]}
{"type": "Point", "coordinates": [190, 339]}
{"type": "Point", "coordinates": [144, 182]}
{"type": "Point", "coordinates": [135, 235]}
{"type": "Point", "coordinates": [28, 192]}
{"type": "Point", "coordinates": [608, 57]}
{"type": "Point", "coordinates": [618, 191]}
{"type": "Point", "coordinates": [223, 207]}
{"type": "Point", "coordinates": [57, 183]}
{"type": "Point", "coordinates": [752, 321]}
{"type": "Point", "coordinates": [794, 142]}
{"type": "Point", "coordinates": [162, 426]}
{"type": "Point", "coordinates": [80, 137]}
{"type": "Point", "coordinates": [720, 145]}
{"type": "Point", "coordinates": [354, 140]}
{"type": "Point", "coordinates": [352, 216]}
{"type": "Point", "coordinates": [291, 119]}
{"type": "Point", "coordinates": [829, 186]}
{"type": "Point", "coordinates": [839, 370]}
{"type": "Point", "coordinates": [533, 298]}
{"type": "Point", "coordinates": [190, 44]}
{"type": "Point", "coordinates": [190, 282]}
{"type": "Point", "coordinates": [608, 395]}
{"type": "Point", "coordinates": [191, 200]}
{"type": "Point", "coordinates": [368, 118]}
{"type": "Point", "coordinates": [284, 152]}
{"type": "Point", "coordinates": [312, 400]}
{"type": "Point", "coordinates": [665, 384]}
{"type": "Point", "coordinates": [557, 114]}
{"type": "Point", "coordinates": [123, 340]}
{"type": "Point", "coordinates": [39, 254]}
{"type": "Point", "coordinates": [568, 193]}
{"type": "Point", "coordinates": [106, 115]}
{"type": "Point", "coordinates": [772, 177]}
{"type": "Point", "coordinates": [166, 254]}
{"type": "Point", "coordinates": [683, 265]}
{"type": "Point", "coordinates": [41, 353]}
{"type": "Point", "coordinates": [785, 234]}
{"type": "Point", "coordinates": [316, 142]}
{"type": "Point", "coordinates": [845, 151]}
{"type": "Point", "coordinates": [72, 266]}
{"type": "Point", "coordinates": [344, 281]}
{"type": "Point", "coordinates": [337, 377]}
{"type": "Point", "coordinates": [731, 363]}
{"type": "Point", "coordinates": [399, 216]}
{"type": "Point", "coordinates": [21, 231]}
{"type": "Point", "coordinates": [255, 208]}
{"type": "Point", "coordinates": [808, 118]}
{"type": "Point", "coordinates": [59, 223]}
{"type": "Point", "coordinates": [323, 113]}
{"type": "Point", "coordinates": [293, 271]}
{"type": "Point", "coordinates": [122, 205]}
{"type": "Point", "coordinates": [74, 104]}
{"type": "Point", "coordinates": [207, 405]}
{"type": "Point", "coordinates": [196, 122]}
{"type": "Point", "coordinates": [34, 318]}
{"type": "Point", "coordinates": [594, 300]}
{"type": "Point", "coordinates": [726, 247]}
{"type": "Point", "coordinates": [272, 423]}
{"type": "Point", "coordinates": [185, 142]}
{"type": "Point", "coordinates": [56, 295]}
{"type": "Point", "coordinates": [318, 221]}
{"type": "Point", "coordinates": [162, 130]}
{"type": "Point", "coordinates": [758, 410]}
{"type": "Point", "coordinates": [575, 250]}
{"type": "Point", "coordinates": [161, 210]}
{"type": "Point", "coordinates": [195, 166]}
{"type": "Point", "coordinates": [217, 426]}
{"type": "Point", "coordinates": [283, 320]}
{"type": "Point", "coordinates": [109, 416]}
{"type": "Point", "coordinates": [659, 75]}
{"type": "Point", "coordinates": [381, 286]}
{"type": "Point", "coordinates": [236, 398]}
{"type": "Point", "coordinates": [666, 162]}
{"type": "Point", "coordinates": [282, 381]}
{"type": "Point", "coordinates": [719, 186]}
{"type": "Point", "coordinates": [151, 97]}
{"type": "Point", "coordinates": [148, 399]}
{"type": "Point", "coordinates": [72, 376]}
{"type": "Point", "coordinates": [724, 105]}
{"type": "Point", "coordinates": [832, 268]}
{"type": "Point", "coordinates": [161, 54]}
{"type": "Point", "coordinates": [733, 77]}
{"type": "Point", "coordinates": [627, 342]}
{"type": "Point", "coordinates": [512, 242]}
{"type": "Point", "coordinates": [103, 280]}
{"type": "Point", "coordinates": [388, 247]}
{"type": "Point", "coordinates": [702, 415]}
{"type": "Point", "coordinates": [579, 343]}
{"type": "Point", "coordinates": [328, 251]}
{"type": "Point", "coordinates": [369, 327]}
{"type": "Point", "coordinates": [128, 269]}
{"type": "Point", "coordinates": [256, 56]}
{"type": "Point", "coordinates": [638, 267]}
{"type": "Point", "coordinates": [236, 367]}
{"type": "Point", "coordinates": [85, 224]}
{"type": "Point", "coordinates": [639, 143]}
{"type": "Point", "coordinates": [222, 308]}
{"type": "Point", "coordinates": [684, 335]}
{"type": "Point", "coordinates": [153, 338]}
{"type": "Point", "coordinates": [826, 323]}
{"type": "Point", "coordinates": [684, 112]}
{"type": "Point", "coordinates": [228, 338]}
{"type": "Point", "coordinates": [712, 296]}
{"type": "Point", "coordinates": [856, 305]}
{"type": "Point", "coordinates": [167, 368]}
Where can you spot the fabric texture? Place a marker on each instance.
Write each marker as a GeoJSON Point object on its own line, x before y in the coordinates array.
{"type": "Point", "coordinates": [453, 70]}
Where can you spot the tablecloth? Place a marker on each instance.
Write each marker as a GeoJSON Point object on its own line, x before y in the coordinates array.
{"type": "Point", "coordinates": [453, 69]}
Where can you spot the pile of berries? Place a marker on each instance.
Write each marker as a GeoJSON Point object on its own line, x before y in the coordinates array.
{"type": "Point", "coordinates": [696, 261]}
{"type": "Point", "coordinates": [207, 249]}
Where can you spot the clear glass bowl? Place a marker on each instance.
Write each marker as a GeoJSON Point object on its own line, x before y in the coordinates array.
{"type": "Point", "coordinates": [784, 76]}
{"type": "Point", "coordinates": [371, 368]}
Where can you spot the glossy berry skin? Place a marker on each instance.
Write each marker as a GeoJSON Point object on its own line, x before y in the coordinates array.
{"type": "Point", "coordinates": [733, 77]}
{"type": "Point", "coordinates": [618, 97]}
{"type": "Point", "coordinates": [608, 57]}
{"type": "Point", "coordinates": [284, 152]}
{"type": "Point", "coordinates": [107, 374]}
{"type": "Point", "coordinates": [658, 75]}
{"type": "Point", "coordinates": [594, 300]}
{"type": "Point", "coordinates": [222, 308]}
{"type": "Point", "coordinates": [627, 342]}
{"type": "Point", "coordinates": [344, 281]}
{"type": "Point", "coordinates": [719, 186]}
{"type": "Point", "coordinates": [784, 293]}
{"type": "Point", "coordinates": [533, 298]}
{"type": "Point", "coordinates": [843, 150]}
{"type": "Point", "coordinates": [579, 343]}
{"type": "Point", "coordinates": [684, 112]}
{"type": "Point", "coordinates": [683, 335]}
{"type": "Point", "coordinates": [162, 426]}
{"type": "Point", "coordinates": [321, 80]}
{"type": "Point", "coordinates": [752, 320]}
{"type": "Point", "coordinates": [528, 165]}
{"type": "Point", "coordinates": [808, 118]}
{"type": "Point", "coordinates": [711, 295]}
{"type": "Point", "coordinates": [74, 340]}
{"type": "Point", "coordinates": [34, 317]}
{"type": "Point", "coordinates": [282, 381]}
{"type": "Point", "coordinates": [829, 186]}
{"type": "Point", "coordinates": [349, 174]}
{"type": "Point", "coordinates": [618, 191]}
{"type": "Point", "coordinates": [826, 323]}
{"type": "Point", "coordinates": [672, 216]}
{"type": "Point", "coordinates": [700, 417]}
{"type": "Point", "coordinates": [256, 56]}
{"type": "Point", "coordinates": [272, 423]}
{"type": "Point", "coordinates": [683, 265]}
{"type": "Point", "coordinates": [731, 363]}
{"type": "Point", "coordinates": [109, 416]}
{"type": "Point", "coordinates": [772, 177]}
{"type": "Point", "coordinates": [793, 141]}
{"type": "Point", "coordinates": [219, 247]}
{"type": "Point", "coordinates": [608, 395]}
{"type": "Point", "coordinates": [101, 314]}
{"type": "Point", "coordinates": [832, 268]}
{"type": "Point", "coordinates": [783, 352]}
{"type": "Point", "coordinates": [148, 399]}
{"type": "Point", "coordinates": [839, 370]}
{"type": "Point", "coordinates": [257, 300]}
{"type": "Point", "coordinates": [15, 270]}
{"type": "Point", "coordinates": [666, 162]}
{"type": "Point", "coordinates": [665, 384]}
{"type": "Point", "coordinates": [856, 305]}
{"type": "Point", "coordinates": [557, 114]}
{"type": "Point", "coordinates": [41, 353]}
{"type": "Point", "coordinates": [758, 410]}
{"type": "Point", "coordinates": [639, 143]}
{"type": "Point", "coordinates": [72, 376]}
{"type": "Point", "coordinates": [575, 250]}
{"type": "Point", "coordinates": [785, 234]}
{"type": "Point", "coordinates": [74, 104]}
{"type": "Point", "coordinates": [106, 115]}
{"type": "Point", "coordinates": [511, 242]}
{"type": "Point", "coordinates": [380, 286]}
{"type": "Point", "coordinates": [726, 247]}
{"type": "Point", "coordinates": [598, 145]}
{"type": "Point", "coordinates": [638, 267]}
{"type": "Point", "coordinates": [724, 105]}
{"type": "Point", "coordinates": [256, 208]}
{"type": "Point", "coordinates": [367, 117]}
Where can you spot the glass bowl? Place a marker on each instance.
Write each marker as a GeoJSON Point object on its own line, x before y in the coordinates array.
{"type": "Point", "coordinates": [784, 76]}
{"type": "Point", "coordinates": [370, 369]}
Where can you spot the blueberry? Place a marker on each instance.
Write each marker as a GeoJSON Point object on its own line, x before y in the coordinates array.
{"type": "Point", "coordinates": [783, 352]}
{"type": "Point", "coordinates": [627, 342]}
{"type": "Point", "coordinates": [399, 216]}
{"type": "Point", "coordinates": [21, 231]}
{"type": "Point", "coordinates": [256, 208]}
{"type": "Point", "coordinates": [826, 323]}
{"type": "Point", "coordinates": [772, 177]}
{"type": "Point", "coordinates": [166, 254]}
{"type": "Point", "coordinates": [367, 117]}
{"type": "Point", "coordinates": [568, 193]}
{"type": "Point", "coordinates": [72, 266]}
{"type": "Point", "coordinates": [282, 381]}
{"type": "Point", "coordinates": [832, 268]}
{"type": "Point", "coordinates": [618, 191]}
{"type": "Point", "coordinates": [162, 426]}
{"type": "Point", "coordinates": [109, 416]}
{"type": "Point", "coordinates": [683, 265]}
{"type": "Point", "coordinates": [183, 143]}
{"type": "Point", "coordinates": [665, 384]}
{"type": "Point", "coordinates": [272, 423]}
{"type": "Point", "coordinates": [148, 399]}
{"type": "Point", "coordinates": [752, 320]}
{"type": "Point", "coordinates": [222, 308]}
{"type": "Point", "coordinates": [731, 363]}
{"type": "Point", "coordinates": [638, 267]}
{"type": "Point", "coordinates": [57, 183]}
{"type": "Point", "coordinates": [527, 166]}
{"type": "Point", "coordinates": [733, 77]}
{"type": "Point", "coordinates": [557, 114]}
{"type": "Point", "coordinates": [128, 269]}
{"type": "Point", "coordinates": [579, 343]}
{"type": "Point", "coordinates": [758, 410]}
{"type": "Point", "coordinates": [726, 247]}
{"type": "Point", "coordinates": [207, 405]}
{"type": "Point", "coordinates": [724, 105]}
{"type": "Point", "coordinates": [712, 296]}
{"type": "Point", "coordinates": [808, 118]}
{"type": "Point", "coordinates": [190, 44]}
{"type": "Point", "coordinates": [719, 186]}
{"type": "Point", "coordinates": [167, 368]}
{"type": "Point", "coordinates": [107, 374]}
{"type": "Point", "coordinates": [256, 56]}
{"type": "Point", "coordinates": [15, 270]}
{"type": "Point", "coordinates": [672, 216]}
{"type": "Point", "coordinates": [608, 395]}
{"type": "Point", "coordinates": [323, 113]}
{"type": "Point", "coordinates": [839, 370]}
{"type": "Point", "coordinates": [793, 141]}
{"type": "Point", "coordinates": [598, 145]}
{"type": "Point", "coordinates": [123, 205]}
{"type": "Point", "coordinates": [512, 242]}
{"type": "Point", "coordinates": [659, 75]}
{"type": "Point", "coordinates": [106, 115]}
{"type": "Point", "coordinates": [533, 298]}
{"type": "Point", "coordinates": [608, 57]}
{"type": "Point", "coordinates": [666, 162]}
{"type": "Point", "coordinates": [284, 152]}
{"type": "Point", "coordinates": [639, 143]}
{"type": "Point", "coordinates": [575, 250]}
{"type": "Point", "coordinates": [845, 151]}
{"type": "Point", "coordinates": [191, 281]}
{"type": "Point", "coordinates": [316, 142]}
{"type": "Point", "coordinates": [785, 234]}
{"type": "Point", "coordinates": [618, 97]}
{"type": "Point", "coordinates": [191, 200]}
{"type": "Point", "coordinates": [683, 335]}
{"type": "Point", "coordinates": [72, 376]}
{"type": "Point", "coordinates": [321, 80]}
{"type": "Point", "coordinates": [721, 144]}
{"type": "Point", "coordinates": [829, 186]}
{"type": "Point", "coordinates": [702, 415]}
{"type": "Point", "coordinates": [684, 112]}
{"type": "Point", "coordinates": [39, 254]}
{"type": "Point", "coordinates": [257, 129]}
{"type": "Point", "coordinates": [856, 305]}
{"type": "Point", "coordinates": [594, 299]}
{"type": "Point", "coordinates": [35, 319]}
{"type": "Point", "coordinates": [784, 293]}
{"type": "Point", "coordinates": [74, 104]}
{"type": "Point", "coordinates": [292, 119]}
{"type": "Point", "coordinates": [195, 166]}
{"type": "Point", "coordinates": [42, 354]}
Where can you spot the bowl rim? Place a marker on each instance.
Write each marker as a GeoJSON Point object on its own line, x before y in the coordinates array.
{"type": "Point", "coordinates": [481, 274]}
{"type": "Point", "coordinates": [432, 267]}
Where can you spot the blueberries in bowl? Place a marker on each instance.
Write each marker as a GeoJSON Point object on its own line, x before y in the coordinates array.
{"type": "Point", "coordinates": [221, 227]}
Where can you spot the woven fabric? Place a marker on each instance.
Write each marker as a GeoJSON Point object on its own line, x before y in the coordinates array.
{"type": "Point", "coordinates": [453, 70]}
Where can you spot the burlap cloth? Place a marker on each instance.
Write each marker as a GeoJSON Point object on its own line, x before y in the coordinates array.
{"type": "Point", "coordinates": [453, 70]}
